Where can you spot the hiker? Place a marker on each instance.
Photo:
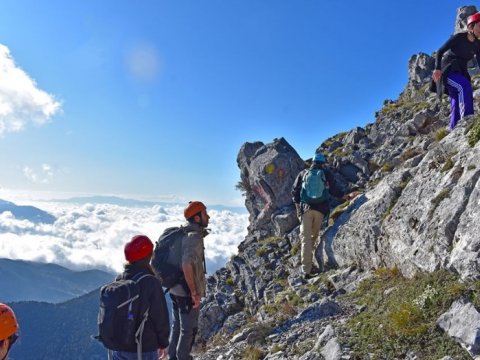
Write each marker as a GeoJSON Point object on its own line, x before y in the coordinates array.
{"type": "Point", "coordinates": [186, 297]}
{"type": "Point", "coordinates": [8, 330]}
{"type": "Point", "coordinates": [311, 194]}
{"type": "Point", "coordinates": [452, 71]}
{"type": "Point", "coordinates": [138, 253]}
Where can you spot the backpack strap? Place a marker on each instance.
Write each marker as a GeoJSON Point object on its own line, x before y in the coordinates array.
{"type": "Point", "coordinates": [139, 334]}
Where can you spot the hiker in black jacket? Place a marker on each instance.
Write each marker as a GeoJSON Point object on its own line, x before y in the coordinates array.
{"type": "Point", "coordinates": [452, 69]}
{"type": "Point", "coordinates": [138, 253]}
{"type": "Point", "coordinates": [312, 213]}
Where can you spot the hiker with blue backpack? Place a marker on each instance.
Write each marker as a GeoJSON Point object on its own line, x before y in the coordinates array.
{"type": "Point", "coordinates": [310, 194]}
{"type": "Point", "coordinates": [451, 70]}
{"type": "Point", "coordinates": [179, 260]}
{"type": "Point", "coordinates": [133, 318]}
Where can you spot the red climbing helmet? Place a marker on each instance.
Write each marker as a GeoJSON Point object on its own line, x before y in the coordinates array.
{"type": "Point", "coordinates": [139, 247]}
{"type": "Point", "coordinates": [472, 19]}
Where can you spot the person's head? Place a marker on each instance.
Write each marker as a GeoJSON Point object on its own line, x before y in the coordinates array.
{"type": "Point", "coordinates": [196, 212]}
{"type": "Point", "coordinates": [318, 160]}
{"type": "Point", "coordinates": [139, 249]}
{"type": "Point", "coordinates": [473, 24]}
{"type": "Point", "coordinates": [8, 329]}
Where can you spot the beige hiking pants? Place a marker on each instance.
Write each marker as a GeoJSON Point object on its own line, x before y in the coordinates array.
{"type": "Point", "coordinates": [309, 229]}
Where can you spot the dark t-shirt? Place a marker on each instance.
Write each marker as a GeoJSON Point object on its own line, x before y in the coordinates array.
{"type": "Point", "coordinates": [458, 51]}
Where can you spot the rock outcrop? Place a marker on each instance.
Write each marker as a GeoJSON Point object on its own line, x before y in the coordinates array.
{"type": "Point", "coordinates": [418, 212]}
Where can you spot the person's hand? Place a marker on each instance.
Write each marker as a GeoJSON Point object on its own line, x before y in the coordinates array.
{"type": "Point", "coordinates": [195, 300]}
{"type": "Point", "coordinates": [162, 353]}
{"type": "Point", "coordinates": [437, 74]}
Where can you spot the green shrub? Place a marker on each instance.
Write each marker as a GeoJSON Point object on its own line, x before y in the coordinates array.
{"type": "Point", "coordinates": [387, 167]}
{"type": "Point", "coordinates": [400, 315]}
{"type": "Point", "coordinates": [252, 353]}
{"type": "Point", "coordinates": [448, 165]}
{"type": "Point", "coordinates": [373, 166]}
{"type": "Point", "coordinates": [440, 134]}
{"type": "Point", "coordinates": [261, 251]}
{"type": "Point", "coordinates": [408, 154]}
{"type": "Point", "coordinates": [474, 133]}
{"type": "Point", "coordinates": [295, 249]}
{"type": "Point", "coordinates": [442, 195]}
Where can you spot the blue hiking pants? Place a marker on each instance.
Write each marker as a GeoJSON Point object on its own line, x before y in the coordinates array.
{"type": "Point", "coordinates": [125, 355]}
{"type": "Point", "coordinates": [461, 97]}
{"type": "Point", "coordinates": [184, 328]}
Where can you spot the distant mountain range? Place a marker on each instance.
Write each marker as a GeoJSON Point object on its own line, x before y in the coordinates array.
{"type": "Point", "coordinates": [30, 213]}
{"type": "Point", "coordinates": [114, 200]}
{"type": "Point", "coordinates": [26, 280]}
{"type": "Point", "coordinates": [60, 331]}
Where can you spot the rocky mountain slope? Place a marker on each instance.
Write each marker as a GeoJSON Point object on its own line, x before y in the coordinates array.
{"type": "Point", "coordinates": [409, 241]}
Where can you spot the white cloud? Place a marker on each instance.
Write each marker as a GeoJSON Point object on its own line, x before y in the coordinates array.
{"type": "Point", "coordinates": [93, 236]}
{"type": "Point", "coordinates": [44, 176]}
{"type": "Point", "coordinates": [21, 101]}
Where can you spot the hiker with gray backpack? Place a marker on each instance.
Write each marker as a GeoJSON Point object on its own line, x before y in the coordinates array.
{"type": "Point", "coordinates": [179, 260]}
{"type": "Point", "coordinates": [133, 318]}
{"type": "Point", "coordinates": [310, 193]}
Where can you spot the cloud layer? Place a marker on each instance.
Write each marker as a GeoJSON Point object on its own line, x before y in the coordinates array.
{"type": "Point", "coordinates": [21, 101]}
{"type": "Point", "coordinates": [93, 235]}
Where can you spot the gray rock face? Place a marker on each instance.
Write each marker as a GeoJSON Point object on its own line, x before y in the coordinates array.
{"type": "Point", "coordinates": [267, 173]}
{"type": "Point", "coordinates": [420, 67]}
{"type": "Point", "coordinates": [462, 14]}
{"type": "Point", "coordinates": [462, 322]}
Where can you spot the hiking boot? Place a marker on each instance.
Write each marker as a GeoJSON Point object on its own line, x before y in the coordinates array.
{"type": "Point", "coordinates": [315, 270]}
{"type": "Point", "coordinates": [309, 276]}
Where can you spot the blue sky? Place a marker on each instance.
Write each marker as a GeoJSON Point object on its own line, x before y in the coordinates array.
{"type": "Point", "coordinates": [154, 98]}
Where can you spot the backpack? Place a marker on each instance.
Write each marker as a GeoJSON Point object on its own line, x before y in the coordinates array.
{"type": "Point", "coordinates": [120, 323]}
{"type": "Point", "coordinates": [314, 187]}
{"type": "Point", "coordinates": [167, 257]}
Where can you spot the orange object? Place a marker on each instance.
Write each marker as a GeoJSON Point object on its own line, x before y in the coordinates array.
{"type": "Point", "coordinates": [193, 208]}
{"type": "Point", "coordinates": [8, 322]}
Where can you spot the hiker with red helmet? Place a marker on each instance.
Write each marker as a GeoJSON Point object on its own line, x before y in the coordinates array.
{"type": "Point", "coordinates": [186, 297]}
{"type": "Point", "coordinates": [8, 330]}
{"type": "Point", "coordinates": [451, 70]}
{"type": "Point", "coordinates": [150, 303]}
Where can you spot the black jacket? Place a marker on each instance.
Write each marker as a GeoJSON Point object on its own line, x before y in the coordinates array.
{"type": "Point", "coordinates": [157, 327]}
{"type": "Point", "coordinates": [454, 55]}
{"type": "Point", "coordinates": [323, 207]}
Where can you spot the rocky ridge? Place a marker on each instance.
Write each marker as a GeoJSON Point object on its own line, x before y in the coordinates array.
{"type": "Point", "coordinates": [417, 214]}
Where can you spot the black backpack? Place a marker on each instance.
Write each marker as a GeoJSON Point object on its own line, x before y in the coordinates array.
{"type": "Point", "coordinates": [120, 323]}
{"type": "Point", "coordinates": [167, 257]}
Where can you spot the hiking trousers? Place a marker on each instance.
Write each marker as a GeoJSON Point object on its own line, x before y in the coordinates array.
{"type": "Point", "coordinates": [309, 229]}
{"type": "Point", "coordinates": [125, 355]}
{"type": "Point", "coordinates": [184, 328]}
{"type": "Point", "coordinates": [461, 97]}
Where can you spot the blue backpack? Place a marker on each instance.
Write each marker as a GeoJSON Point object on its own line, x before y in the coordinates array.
{"type": "Point", "coordinates": [314, 187]}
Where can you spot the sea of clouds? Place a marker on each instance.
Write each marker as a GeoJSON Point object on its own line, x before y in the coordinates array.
{"type": "Point", "coordinates": [87, 236]}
